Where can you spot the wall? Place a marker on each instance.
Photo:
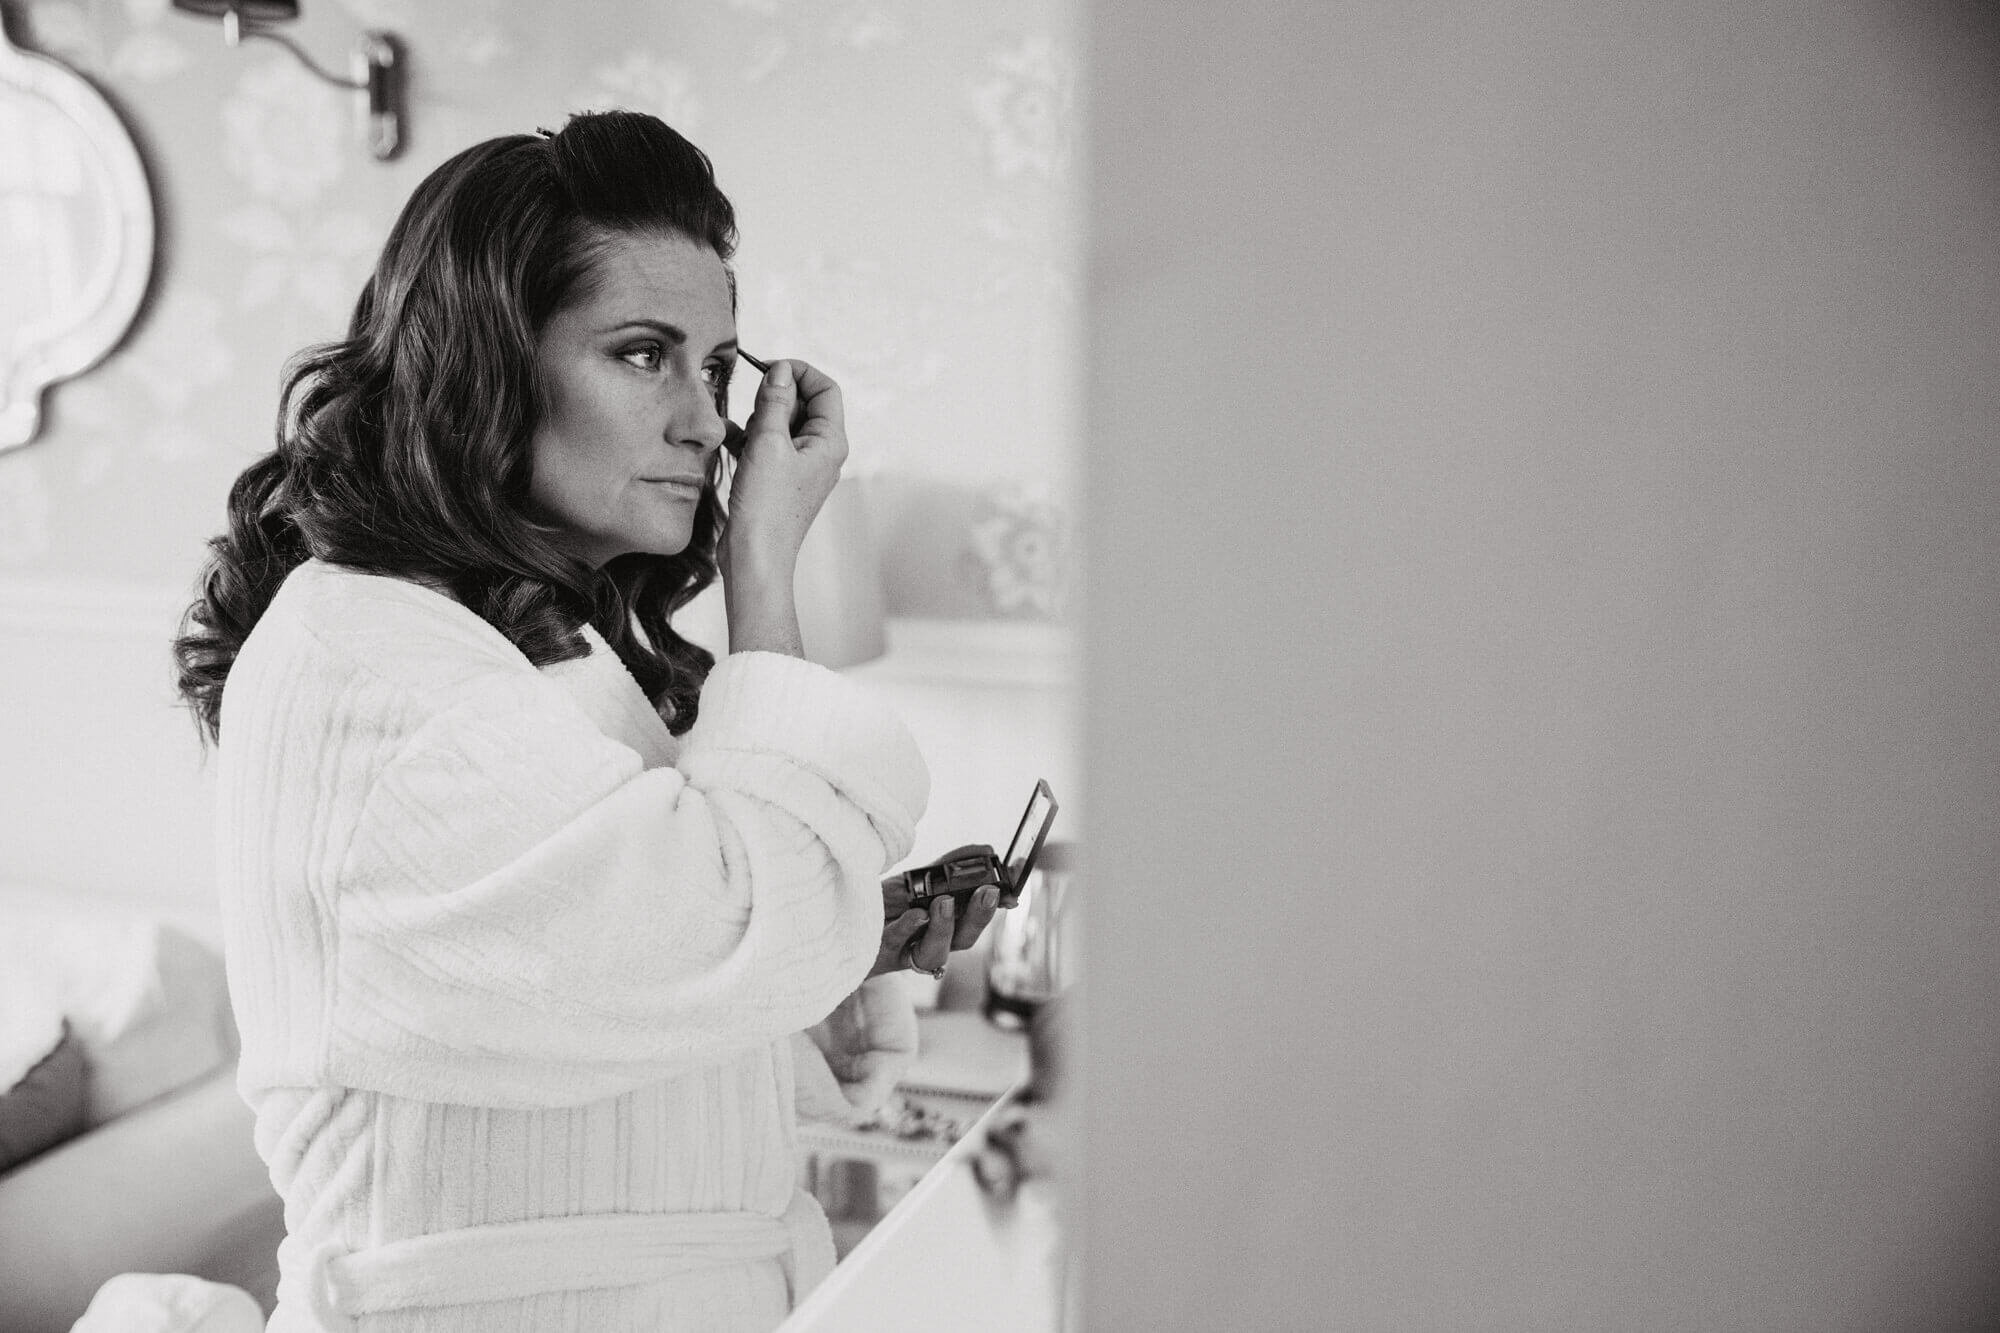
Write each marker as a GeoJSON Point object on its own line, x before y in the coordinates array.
{"type": "Point", "coordinates": [1543, 666]}
{"type": "Point", "coordinates": [905, 182]}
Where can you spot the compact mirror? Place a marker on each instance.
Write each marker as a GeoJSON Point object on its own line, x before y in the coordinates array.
{"type": "Point", "coordinates": [1019, 861]}
{"type": "Point", "coordinates": [76, 232]}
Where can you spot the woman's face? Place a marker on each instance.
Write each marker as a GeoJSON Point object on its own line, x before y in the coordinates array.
{"type": "Point", "coordinates": [630, 375]}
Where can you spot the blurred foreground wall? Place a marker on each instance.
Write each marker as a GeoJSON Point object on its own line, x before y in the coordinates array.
{"type": "Point", "coordinates": [1544, 666]}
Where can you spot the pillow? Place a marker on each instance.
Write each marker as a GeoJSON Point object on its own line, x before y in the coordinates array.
{"type": "Point", "coordinates": [169, 1303]}
{"type": "Point", "coordinates": [46, 1104]}
{"type": "Point", "coordinates": [147, 1002]}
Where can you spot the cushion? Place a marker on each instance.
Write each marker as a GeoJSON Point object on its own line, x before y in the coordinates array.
{"type": "Point", "coordinates": [46, 1104]}
{"type": "Point", "coordinates": [147, 1002]}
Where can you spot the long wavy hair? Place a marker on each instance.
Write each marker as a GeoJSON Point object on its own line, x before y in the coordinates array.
{"type": "Point", "coordinates": [405, 448]}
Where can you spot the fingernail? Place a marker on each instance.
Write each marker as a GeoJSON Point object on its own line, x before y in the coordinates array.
{"type": "Point", "coordinates": [945, 906]}
{"type": "Point", "coordinates": [781, 375]}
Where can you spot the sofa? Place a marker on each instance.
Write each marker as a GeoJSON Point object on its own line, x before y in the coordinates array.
{"type": "Point", "coordinates": [154, 1170]}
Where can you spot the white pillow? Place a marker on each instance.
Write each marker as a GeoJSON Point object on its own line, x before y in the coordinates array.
{"type": "Point", "coordinates": [148, 1002]}
{"type": "Point", "coordinates": [169, 1303]}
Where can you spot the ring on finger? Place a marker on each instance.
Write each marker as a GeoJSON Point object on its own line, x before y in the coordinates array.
{"type": "Point", "coordinates": [910, 958]}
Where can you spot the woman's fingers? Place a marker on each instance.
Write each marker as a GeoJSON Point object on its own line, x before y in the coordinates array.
{"type": "Point", "coordinates": [904, 929]}
{"type": "Point", "coordinates": [823, 413]}
{"type": "Point", "coordinates": [933, 947]}
{"type": "Point", "coordinates": [978, 914]}
{"type": "Point", "coordinates": [804, 402]}
{"type": "Point", "coordinates": [777, 398]}
{"type": "Point", "coordinates": [913, 937]}
{"type": "Point", "coordinates": [897, 933]}
{"type": "Point", "coordinates": [801, 403]}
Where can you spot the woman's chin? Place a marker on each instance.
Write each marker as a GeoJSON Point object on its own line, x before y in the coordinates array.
{"type": "Point", "coordinates": [662, 544]}
{"type": "Point", "coordinates": [600, 544]}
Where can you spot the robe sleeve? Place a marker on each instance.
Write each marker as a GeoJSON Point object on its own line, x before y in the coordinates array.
{"type": "Point", "coordinates": [519, 913]}
{"type": "Point", "coordinates": [526, 913]}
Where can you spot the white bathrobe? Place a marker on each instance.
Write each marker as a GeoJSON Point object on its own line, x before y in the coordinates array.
{"type": "Point", "coordinates": [521, 978]}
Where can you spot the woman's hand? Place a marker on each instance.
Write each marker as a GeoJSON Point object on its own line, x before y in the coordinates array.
{"type": "Point", "coordinates": [787, 463]}
{"type": "Point", "coordinates": [788, 459]}
{"type": "Point", "coordinates": [938, 933]}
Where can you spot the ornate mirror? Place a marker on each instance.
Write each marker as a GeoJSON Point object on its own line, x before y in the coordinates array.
{"type": "Point", "coordinates": [76, 232]}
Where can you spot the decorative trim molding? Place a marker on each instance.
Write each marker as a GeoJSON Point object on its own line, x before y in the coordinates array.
{"type": "Point", "coordinates": [1018, 653]}
{"type": "Point", "coordinates": [1007, 653]}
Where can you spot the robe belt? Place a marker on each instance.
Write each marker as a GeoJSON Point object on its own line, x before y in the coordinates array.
{"type": "Point", "coordinates": [500, 1261]}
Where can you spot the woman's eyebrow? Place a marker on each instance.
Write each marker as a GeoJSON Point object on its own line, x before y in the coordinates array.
{"type": "Point", "coordinates": [670, 333]}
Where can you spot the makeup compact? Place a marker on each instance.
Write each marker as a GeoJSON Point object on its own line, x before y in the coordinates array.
{"type": "Point", "coordinates": [964, 870]}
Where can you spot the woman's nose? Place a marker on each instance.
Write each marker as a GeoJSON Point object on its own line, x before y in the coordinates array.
{"type": "Point", "coordinates": [698, 422]}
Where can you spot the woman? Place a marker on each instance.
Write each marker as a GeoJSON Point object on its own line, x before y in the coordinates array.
{"type": "Point", "coordinates": [539, 929]}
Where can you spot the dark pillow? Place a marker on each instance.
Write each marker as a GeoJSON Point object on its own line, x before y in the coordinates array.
{"type": "Point", "coordinates": [47, 1106]}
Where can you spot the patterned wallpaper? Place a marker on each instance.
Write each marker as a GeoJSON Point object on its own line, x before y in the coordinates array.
{"type": "Point", "coordinates": [904, 174]}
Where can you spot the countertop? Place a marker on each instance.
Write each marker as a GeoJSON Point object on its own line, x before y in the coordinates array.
{"type": "Point", "coordinates": [946, 1256]}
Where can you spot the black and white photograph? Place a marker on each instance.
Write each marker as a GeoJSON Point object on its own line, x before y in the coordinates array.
{"type": "Point", "coordinates": [1034, 666]}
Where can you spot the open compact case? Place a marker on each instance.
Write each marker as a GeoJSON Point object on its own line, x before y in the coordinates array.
{"type": "Point", "coordinates": [963, 871]}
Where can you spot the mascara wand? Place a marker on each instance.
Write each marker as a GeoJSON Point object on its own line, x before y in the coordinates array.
{"type": "Point", "coordinates": [734, 437]}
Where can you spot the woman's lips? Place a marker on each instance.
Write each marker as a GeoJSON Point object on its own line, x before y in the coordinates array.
{"type": "Point", "coordinates": [687, 485]}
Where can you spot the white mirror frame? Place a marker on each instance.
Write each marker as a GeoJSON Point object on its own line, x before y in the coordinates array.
{"type": "Point", "coordinates": [84, 334]}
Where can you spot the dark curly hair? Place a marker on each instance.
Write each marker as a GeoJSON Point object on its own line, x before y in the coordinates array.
{"type": "Point", "coordinates": [405, 448]}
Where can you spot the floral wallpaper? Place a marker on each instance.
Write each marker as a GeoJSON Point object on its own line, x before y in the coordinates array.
{"type": "Point", "coordinates": [904, 174]}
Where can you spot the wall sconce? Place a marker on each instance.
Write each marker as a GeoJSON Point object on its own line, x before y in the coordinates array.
{"type": "Point", "coordinates": [377, 62]}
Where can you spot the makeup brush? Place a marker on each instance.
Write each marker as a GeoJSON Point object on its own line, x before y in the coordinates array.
{"type": "Point", "coordinates": [734, 437]}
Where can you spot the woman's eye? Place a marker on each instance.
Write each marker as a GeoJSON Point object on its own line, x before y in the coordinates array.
{"type": "Point", "coordinates": [645, 356]}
